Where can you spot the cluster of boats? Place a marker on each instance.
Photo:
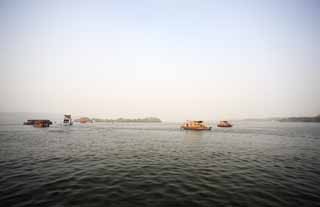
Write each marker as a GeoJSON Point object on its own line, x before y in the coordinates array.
{"type": "Point", "coordinates": [42, 123]}
{"type": "Point", "coordinates": [67, 121]}
{"type": "Point", "coordinates": [200, 125]}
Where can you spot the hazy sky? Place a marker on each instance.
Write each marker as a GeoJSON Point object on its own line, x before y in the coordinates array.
{"type": "Point", "coordinates": [172, 59]}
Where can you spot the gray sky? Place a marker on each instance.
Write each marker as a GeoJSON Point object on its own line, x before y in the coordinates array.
{"type": "Point", "coordinates": [172, 59]}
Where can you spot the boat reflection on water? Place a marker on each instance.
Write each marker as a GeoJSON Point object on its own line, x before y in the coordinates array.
{"type": "Point", "coordinates": [191, 137]}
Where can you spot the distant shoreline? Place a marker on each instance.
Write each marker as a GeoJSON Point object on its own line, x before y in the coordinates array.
{"type": "Point", "coordinates": [301, 119]}
{"type": "Point", "coordinates": [124, 120]}
{"type": "Point", "coordinates": [22, 116]}
{"type": "Point", "coordinates": [315, 119]}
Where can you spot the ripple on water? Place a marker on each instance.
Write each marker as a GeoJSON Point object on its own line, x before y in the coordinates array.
{"type": "Point", "coordinates": [137, 165]}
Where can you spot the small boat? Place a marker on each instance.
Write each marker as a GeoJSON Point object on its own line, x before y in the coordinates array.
{"type": "Point", "coordinates": [224, 124]}
{"type": "Point", "coordinates": [195, 125]}
{"type": "Point", "coordinates": [84, 120]}
{"type": "Point", "coordinates": [37, 121]}
{"type": "Point", "coordinates": [67, 121]}
{"type": "Point", "coordinates": [41, 123]}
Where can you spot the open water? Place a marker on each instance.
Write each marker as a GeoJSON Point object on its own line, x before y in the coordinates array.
{"type": "Point", "coordinates": [252, 164]}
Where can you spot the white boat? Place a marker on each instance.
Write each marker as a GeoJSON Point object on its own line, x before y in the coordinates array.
{"type": "Point", "coordinates": [67, 121]}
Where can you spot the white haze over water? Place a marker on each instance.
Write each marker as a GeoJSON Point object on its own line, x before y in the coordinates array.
{"type": "Point", "coordinates": [172, 59]}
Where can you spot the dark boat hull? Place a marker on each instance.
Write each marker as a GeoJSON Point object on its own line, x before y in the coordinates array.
{"type": "Point", "coordinates": [197, 129]}
{"type": "Point", "coordinates": [224, 126]}
{"type": "Point", "coordinates": [41, 125]}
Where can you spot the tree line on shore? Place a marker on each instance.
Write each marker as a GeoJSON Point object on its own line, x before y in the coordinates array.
{"type": "Point", "coordinates": [301, 119]}
{"type": "Point", "coordinates": [147, 119]}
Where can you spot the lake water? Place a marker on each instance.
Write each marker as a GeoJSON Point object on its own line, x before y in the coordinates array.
{"type": "Point", "coordinates": [252, 164]}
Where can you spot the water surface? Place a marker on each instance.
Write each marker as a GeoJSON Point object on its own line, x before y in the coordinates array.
{"type": "Point", "coordinates": [252, 164]}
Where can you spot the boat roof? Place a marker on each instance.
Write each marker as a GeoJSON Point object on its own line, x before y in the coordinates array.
{"type": "Point", "coordinates": [196, 121]}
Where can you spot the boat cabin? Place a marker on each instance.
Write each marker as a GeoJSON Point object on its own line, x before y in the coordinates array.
{"type": "Point", "coordinates": [67, 119]}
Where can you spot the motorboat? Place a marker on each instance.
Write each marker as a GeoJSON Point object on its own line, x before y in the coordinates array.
{"type": "Point", "coordinates": [41, 123]}
{"type": "Point", "coordinates": [224, 124]}
{"type": "Point", "coordinates": [195, 125]}
{"type": "Point", "coordinates": [67, 121]}
{"type": "Point", "coordinates": [84, 120]}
